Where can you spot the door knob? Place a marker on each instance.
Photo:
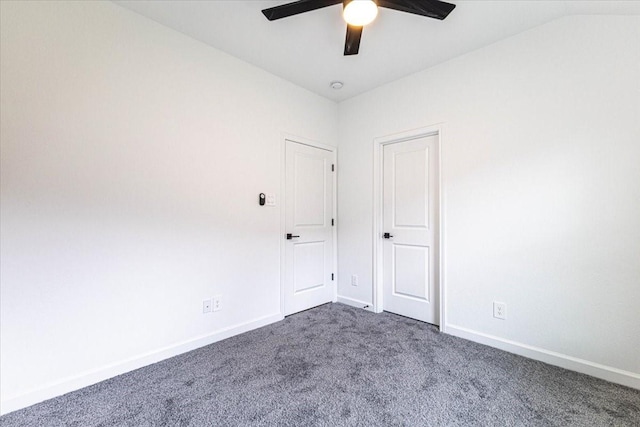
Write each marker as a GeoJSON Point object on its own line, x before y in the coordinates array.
{"type": "Point", "coordinates": [290, 236]}
{"type": "Point", "coordinates": [387, 236]}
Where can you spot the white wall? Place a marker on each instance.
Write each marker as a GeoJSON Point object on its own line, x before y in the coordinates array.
{"type": "Point", "coordinates": [541, 181]}
{"type": "Point", "coordinates": [132, 159]}
{"type": "Point", "coordinates": [132, 156]}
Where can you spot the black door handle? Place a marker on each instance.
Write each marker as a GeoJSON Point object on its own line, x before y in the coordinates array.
{"type": "Point", "coordinates": [290, 236]}
{"type": "Point", "coordinates": [387, 236]}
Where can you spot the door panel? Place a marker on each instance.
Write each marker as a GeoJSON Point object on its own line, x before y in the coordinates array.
{"type": "Point", "coordinates": [411, 271]}
{"type": "Point", "coordinates": [410, 195]}
{"type": "Point", "coordinates": [310, 182]}
{"type": "Point", "coordinates": [410, 188]}
{"type": "Point", "coordinates": [308, 264]}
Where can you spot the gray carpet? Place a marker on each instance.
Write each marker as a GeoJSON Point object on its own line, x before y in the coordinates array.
{"type": "Point", "coordinates": [336, 366]}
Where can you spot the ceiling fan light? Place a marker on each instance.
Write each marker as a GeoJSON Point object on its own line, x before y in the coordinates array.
{"type": "Point", "coordinates": [360, 12]}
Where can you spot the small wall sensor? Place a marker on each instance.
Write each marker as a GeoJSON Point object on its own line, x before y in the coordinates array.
{"type": "Point", "coordinates": [262, 199]}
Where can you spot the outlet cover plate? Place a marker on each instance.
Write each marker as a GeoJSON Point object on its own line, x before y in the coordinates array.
{"type": "Point", "coordinates": [499, 310]}
{"type": "Point", "coordinates": [217, 303]}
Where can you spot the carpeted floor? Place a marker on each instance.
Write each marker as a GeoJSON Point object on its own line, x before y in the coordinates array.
{"type": "Point", "coordinates": [336, 366]}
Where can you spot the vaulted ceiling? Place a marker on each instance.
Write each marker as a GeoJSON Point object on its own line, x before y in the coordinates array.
{"type": "Point", "coordinates": [307, 49]}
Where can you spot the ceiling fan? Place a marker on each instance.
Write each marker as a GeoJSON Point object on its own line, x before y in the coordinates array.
{"type": "Point", "coordinates": [359, 13]}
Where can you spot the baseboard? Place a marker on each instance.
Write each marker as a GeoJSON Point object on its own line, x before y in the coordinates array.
{"type": "Point", "coordinates": [608, 373]}
{"type": "Point", "coordinates": [94, 376]}
{"type": "Point", "coordinates": [356, 303]}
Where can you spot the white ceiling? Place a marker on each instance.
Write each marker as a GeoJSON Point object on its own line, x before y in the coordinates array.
{"type": "Point", "coordinates": [307, 49]}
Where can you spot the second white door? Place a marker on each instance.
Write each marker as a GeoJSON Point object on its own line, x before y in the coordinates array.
{"type": "Point", "coordinates": [410, 227]}
{"type": "Point", "coordinates": [308, 260]}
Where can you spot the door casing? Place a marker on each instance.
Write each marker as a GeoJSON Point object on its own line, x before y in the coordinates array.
{"type": "Point", "coordinates": [378, 146]}
{"type": "Point", "coordinates": [283, 153]}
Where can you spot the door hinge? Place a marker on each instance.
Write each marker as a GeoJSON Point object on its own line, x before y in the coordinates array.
{"type": "Point", "coordinates": [333, 167]}
{"type": "Point", "coordinates": [332, 222]}
{"type": "Point", "coordinates": [331, 276]}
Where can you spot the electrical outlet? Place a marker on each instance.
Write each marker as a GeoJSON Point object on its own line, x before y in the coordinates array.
{"type": "Point", "coordinates": [206, 306]}
{"type": "Point", "coordinates": [354, 280]}
{"type": "Point", "coordinates": [217, 303]}
{"type": "Point", "coordinates": [499, 310]}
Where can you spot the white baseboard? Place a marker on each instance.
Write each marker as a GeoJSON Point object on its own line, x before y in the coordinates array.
{"type": "Point", "coordinates": [94, 376]}
{"type": "Point", "coordinates": [608, 373]}
{"type": "Point", "coordinates": [356, 303]}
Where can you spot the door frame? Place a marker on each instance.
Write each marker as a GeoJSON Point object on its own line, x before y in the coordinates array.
{"type": "Point", "coordinates": [378, 206]}
{"type": "Point", "coordinates": [283, 185]}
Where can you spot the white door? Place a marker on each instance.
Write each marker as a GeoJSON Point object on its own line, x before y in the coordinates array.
{"type": "Point", "coordinates": [308, 261]}
{"type": "Point", "coordinates": [410, 227]}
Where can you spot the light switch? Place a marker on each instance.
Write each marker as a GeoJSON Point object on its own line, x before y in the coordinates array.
{"type": "Point", "coordinates": [271, 199]}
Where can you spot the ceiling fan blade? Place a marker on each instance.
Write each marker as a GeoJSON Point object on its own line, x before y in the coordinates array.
{"type": "Point", "coordinates": [352, 42]}
{"type": "Point", "coordinates": [431, 8]}
{"type": "Point", "coordinates": [296, 7]}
